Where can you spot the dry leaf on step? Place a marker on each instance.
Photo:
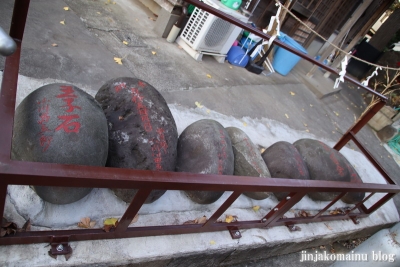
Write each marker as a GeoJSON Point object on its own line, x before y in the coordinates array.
{"type": "Point", "coordinates": [230, 218]}
{"type": "Point", "coordinates": [118, 60]}
{"type": "Point", "coordinates": [328, 226]}
{"type": "Point", "coordinates": [200, 220]}
{"type": "Point", "coordinates": [153, 52]}
{"type": "Point", "coordinates": [66, 8]}
{"type": "Point", "coordinates": [135, 219]}
{"type": "Point", "coordinates": [292, 93]}
{"type": "Point", "coordinates": [54, 45]}
{"type": "Point", "coordinates": [62, 22]}
{"type": "Point", "coordinates": [208, 76]}
{"type": "Point", "coordinates": [287, 116]}
{"type": "Point", "coordinates": [125, 42]}
{"type": "Point", "coordinates": [198, 104]}
{"type": "Point", "coordinates": [256, 208]}
{"type": "Point", "coordinates": [86, 223]}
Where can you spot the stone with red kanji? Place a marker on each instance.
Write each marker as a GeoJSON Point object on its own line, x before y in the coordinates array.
{"type": "Point", "coordinates": [60, 123]}
{"type": "Point", "coordinates": [205, 147]}
{"type": "Point", "coordinates": [284, 161]}
{"type": "Point", "coordinates": [325, 163]}
{"type": "Point", "coordinates": [142, 131]}
{"type": "Point", "coordinates": [248, 160]}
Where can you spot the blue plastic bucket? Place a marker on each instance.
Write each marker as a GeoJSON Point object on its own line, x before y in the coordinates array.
{"type": "Point", "coordinates": [284, 61]}
{"type": "Point", "coordinates": [237, 56]}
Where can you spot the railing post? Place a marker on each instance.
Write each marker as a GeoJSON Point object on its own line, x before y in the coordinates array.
{"type": "Point", "coordinates": [359, 124]}
{"type": "Point", "coordinates": [279, 210]}
{"type": "Point", "coordinates": [3, 194]}
{"type": "Point", "coordinates": [222, 208]}
{"type": "Point", "coordinates": [378, 204]}
{"type": "Point", "coordinates": [133, 209]}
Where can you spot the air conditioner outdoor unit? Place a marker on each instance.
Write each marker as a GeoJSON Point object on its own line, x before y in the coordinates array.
{"type": "Point", "coordinates": [209, 34]}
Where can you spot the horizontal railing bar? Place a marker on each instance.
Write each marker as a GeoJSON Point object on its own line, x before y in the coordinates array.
{"type": "Point", "coordinates": [259, 33]}
{"type": "Point", "coordinates": [361, 202]}
{"type": "Point", "coordinates": [51, 174]}
{"type": "Point", "coordinates": [95, 234]}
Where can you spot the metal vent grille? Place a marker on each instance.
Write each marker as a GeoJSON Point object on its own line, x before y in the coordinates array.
{"type": "Point", "coordinates": [194, 25]}
{"type": "Point", "coordinates": [218, 32]}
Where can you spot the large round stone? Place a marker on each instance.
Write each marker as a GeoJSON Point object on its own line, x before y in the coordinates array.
{"type": "Point", "coordinates": [325, 163]}
{"type": "Point", "coordinates": [142, 131]}
{"type": "Point", "coordinates": [205, 147]}
{"type": "Point", "coordinates": [248, 160]}
{"type": "Point", "coordinates": [60, 123]}
{"type": "Point", "coordinates": [284, 161]}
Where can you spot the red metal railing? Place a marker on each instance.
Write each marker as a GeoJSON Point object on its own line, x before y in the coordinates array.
{"type": "Point", "coordinates": [49, 174]}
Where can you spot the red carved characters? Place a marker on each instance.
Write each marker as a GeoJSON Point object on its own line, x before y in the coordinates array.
{"type": "Point", "coordinates": [67, 124]}
{"type": "Point", "coordinates": [159, 145]}
{"type": "Point", "coordinates": [137, 98]}
{"type": "Point", "coordinates": [45, 136]}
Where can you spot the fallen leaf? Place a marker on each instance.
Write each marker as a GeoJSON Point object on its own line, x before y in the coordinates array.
{"type": "Point", "coordinates": [198, 104]}
{"type": "Point", "coordinates": [332, 250]}
{"type": "Point", "coordinates": [336, 211]}
{"type": "Point", "coordinates": [305, 124]}
{"type": "Point", "coordinates": [307, 130]}
{"type": "Point", "coordinates": [86, 223]}
{"type": "Point", "coordinates": [333, 132]}
{"type": "Point", "coordinates": [66, 8]}
{"type": "Point", "coordinates": [153, 52]}
{"type": "Point", "coordinates": [200, 220]}
{"type": "Point", "coordinates": [26, 227]}
{"type": "Point", "coordinates": [311, 105]}
{"type": "Point", "coordinates": [337, 114]}
{"type": "Point", "coordinates": [151, 18]}
{"type": "Point", "coordinates": [120, 118]}
{"type": "Point", "coordinates": [135, 219]}
{"type": "Point", "coordinates": [118, 60]}
{"type": "Point", "coordinates": [54, 45]}
{"type": "Point", "coordinates": [62, 22]}
{"type": "Point", "coordinates": [125, 42]}
{"type": "Point", "coordinates": [230, 67]}
{"type": "Point", "coordinates": [348, 109]}
{"type": "Point", "coordinates": [98, 13]}
{"type": "Point", "coordinates": [114, 3]}
{"type": "Point", "coordinates": [292, 93]}
{"type": "Point", "coordinates": [244, 124]}
{"type": "Point", "coordinates": [109, 224]}
{"type": "Point", "coordinates": [287, 116]}
{"type": "Point", "coordinates": [208, 76]}
{"type": "Point", "coordinates": [256, 208]}
{"type": "Point", "coordinates": [8, 228]}
{"type": "Point", "coordinates": [327, 226]}
{"type": "Point", "coordinates": [208, 111]}
{"type": "Point", "coordinates": [230, 218]}
{"type": "Point", "coordinates": [303, 213]}
{"type": "Point", "coordinates": [322, 247]}
{"type": "Point", "coordinates": [111, 221]}
{"type": "Point", "coordinates": [212, 242]}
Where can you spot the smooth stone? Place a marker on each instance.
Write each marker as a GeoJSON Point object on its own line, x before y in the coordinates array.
{"type": "Point", "coordinates": [284, 161]}
{"type": "Point", "coordinates": [205, 147]}
{"type": "Point", "coordinates": [325, 163]}
{"type": "Point", "coordinates": [60, 123]}
{"type": "Point", "coordinates": [248, 160]}
{"type": "Point", "coordinates": [142, 131]}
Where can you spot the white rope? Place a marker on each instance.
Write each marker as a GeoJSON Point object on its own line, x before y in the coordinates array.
{"type": "Point", "coordinates": [320, 36]}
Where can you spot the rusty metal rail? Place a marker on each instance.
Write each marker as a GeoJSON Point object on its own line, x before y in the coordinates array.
{"type": "Point", "coordinates": [49, 174]}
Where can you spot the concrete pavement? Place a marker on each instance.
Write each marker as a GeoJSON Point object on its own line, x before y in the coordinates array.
{"type": "Point", "coordinates": [92, 36]}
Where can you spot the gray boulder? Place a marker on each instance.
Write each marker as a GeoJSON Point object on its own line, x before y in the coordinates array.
{"type": "Point", "coordinates": [205, 147]}
{"type": "Point", "coordinates": [142, 131]}
{"type": "Point", "coordinates": [325, 163]}
{"type": "Point", "coordinates": [60, 123]}
{"type": "Point", "coordinates": [248, 160]}
{"type": "Point", "coordinates": [284, 161]}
